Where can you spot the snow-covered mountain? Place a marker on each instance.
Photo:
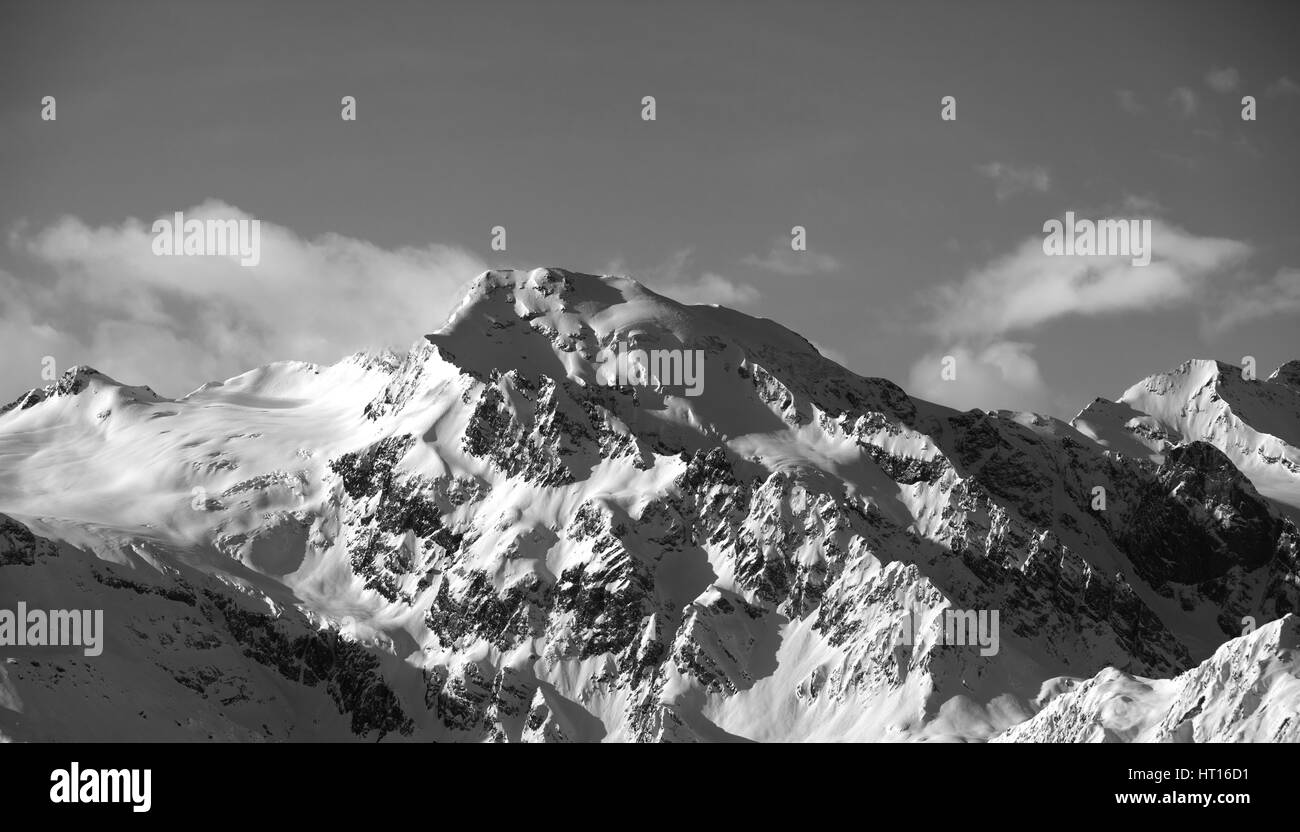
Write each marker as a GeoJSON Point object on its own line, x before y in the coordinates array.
{"type": "Point", "coordinates": [1245, 692]}
{"type": "Point", "coordinates": [1256, 424]}
{"type": "Point", "coordinates": [483, 539]}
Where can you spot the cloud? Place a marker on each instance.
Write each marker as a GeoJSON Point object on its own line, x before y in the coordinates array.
{"type": "Point", "coordinates": [1279, 296]}
{"type": "Point", "coordinates": [1000, 374]}
{"type": "Point", "coordinates": [1140, 204]}
{"type": "Point", "coordinates": [974, 319]}
{"type": "Point", "coordinates": [783, 260]}
{"type": "Point", "coordinates": [675, 278]}
{"type": "Point", "coordinates": [1183, 101]}
{"type": "Point", "coordinates": [710, 288]}
{"type": "Point", "coordinates": [831, 353]}
{"type": "Point", "coordinates": [1026, 287]}
{"type": "Point", "coordinates": [1283, 86]}
{"type": "Point", "coordinates": [99, 296]}
{"type": "Point", "coordinates": [1223, 80]}
{"type": "Point", "coordinates": [1128, 102]}
{"type": "Point", "coordinates": [1010, 179]}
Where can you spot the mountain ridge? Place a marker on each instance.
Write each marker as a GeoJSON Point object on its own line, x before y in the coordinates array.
{"type": "Point", "coordinates": [530, 553]}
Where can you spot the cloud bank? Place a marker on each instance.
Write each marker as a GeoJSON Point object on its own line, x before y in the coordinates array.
{"type": "Point", "coordinates": [99, 296]}
{"type": "Point", "coordinates": [785, 261]}
{"type": "Point", "coordinates": [998, 375]}
{"type": "Point", "coordinates": [972, 320]}
{"type": "Point", "coordinates": [1026, 288]}
{"type": "Point", "coordinates": [676, 278]}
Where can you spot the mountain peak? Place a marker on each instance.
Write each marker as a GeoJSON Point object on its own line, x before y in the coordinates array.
{"type": "Point", "coordinates": [73, 382]}
{"type": "Point", "coordinates": [1256, 424]}
{"type": "Point", "coordinates": [1288, 375]}
{"type": "Point", "coordinates": [562, 323]}
{"type": "Point", "coordinates": [1183, 380]}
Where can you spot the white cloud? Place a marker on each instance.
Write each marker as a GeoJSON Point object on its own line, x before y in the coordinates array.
{"type": "Point", "coordinates": [1183, 101]}
{"type": "Point", "coordinates": [99, 296]}
{"type": "Point", "coordinates": [676, 279]}
{"type": "Point", "coordinates": [998, 375]}
{"type": "Point", "coordinates": [1279, 296]}
{"type": "Point", "coordinates": [1223, 80]}
{"type": "Point", "coordinates": [1283, 86]}
{"type": "Point", "coordinates": [1025, 288]}
{"type": "Point", "coordinates": [1010, 179]}
{"type": "Point", "coordinates": [1141, 204]}
{"type": "Point", "coordinates": [710, 288]}
{"type": "Point", "coordinates": [783, 260]}
{"type": "Point", "coordinates": [1128, 102]}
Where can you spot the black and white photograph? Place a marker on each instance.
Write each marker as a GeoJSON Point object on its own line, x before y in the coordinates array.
{"type": "Point", "coordinates": [822, 372]}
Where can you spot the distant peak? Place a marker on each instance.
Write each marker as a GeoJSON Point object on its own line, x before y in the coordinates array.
{"type": "Point", "coordinates": [1195, 373]}
{"type": "Point", "coordinates": [73, 381]}
{"type": "Point", "coordinates": [1288, 375]}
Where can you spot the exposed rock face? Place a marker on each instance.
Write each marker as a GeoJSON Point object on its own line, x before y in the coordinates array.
{"type": "Point", "coordinates": [488, 543]}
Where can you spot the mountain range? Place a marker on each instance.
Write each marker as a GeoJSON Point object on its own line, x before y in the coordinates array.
{"type": "Point", "coordinates": [483, 539]}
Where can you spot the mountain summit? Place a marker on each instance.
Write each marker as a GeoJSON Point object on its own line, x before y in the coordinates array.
{"type": "Point", "coordinates": [492, 537]}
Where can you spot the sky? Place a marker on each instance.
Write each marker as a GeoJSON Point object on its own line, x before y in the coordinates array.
{"type": "Point", "coordinates": [924, 234]}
